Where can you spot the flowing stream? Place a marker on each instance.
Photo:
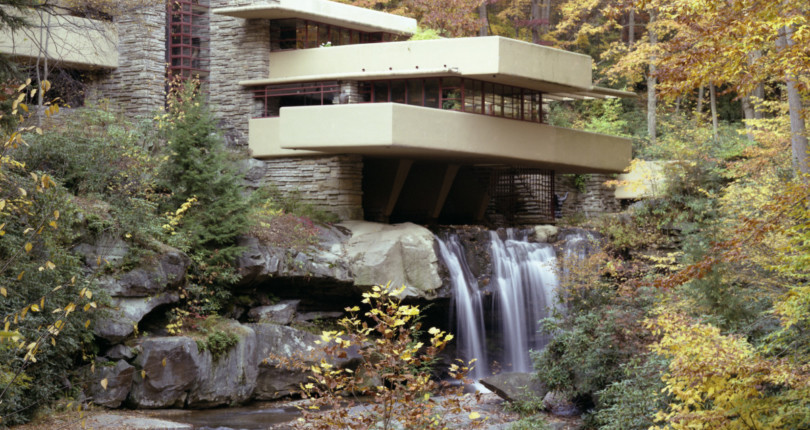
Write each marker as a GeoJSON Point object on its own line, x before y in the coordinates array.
{"type": "Point", "coordinates": [499, 323]}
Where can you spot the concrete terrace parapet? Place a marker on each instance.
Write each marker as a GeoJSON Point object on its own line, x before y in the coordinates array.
{"type": "Point", "coordinates": [69, 41]}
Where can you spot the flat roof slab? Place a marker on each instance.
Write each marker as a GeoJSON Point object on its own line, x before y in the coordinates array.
{"type": "Point", "coordinates": [327, 12]}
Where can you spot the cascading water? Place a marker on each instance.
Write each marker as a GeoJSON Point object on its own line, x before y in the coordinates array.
{"type": "Point", "coordinates": [467, 306]}
{"type": "Point", "coordinates": [522, 291]}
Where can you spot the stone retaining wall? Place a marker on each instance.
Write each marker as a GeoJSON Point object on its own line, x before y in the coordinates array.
{"type": "Point", "coordinates": [333, 182]}
{"type": "Point", "coordinates": [596, 198]}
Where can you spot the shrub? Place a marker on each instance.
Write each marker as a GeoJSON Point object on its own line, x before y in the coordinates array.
{"type": "Point", "coordinates": [394, 372]}
{"type": "Point", "coordinates": [529, 423]}
{"type": "Point", "coordinates": [632, 402]}
{"type": "Point", "coordinates": [218, 343]}
{"type": "Point", "coordinates": [43, 294]}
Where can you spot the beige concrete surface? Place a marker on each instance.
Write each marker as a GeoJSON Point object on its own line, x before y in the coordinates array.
{"type": "Point", "coordinates": [71, 41]}
{"type": "Point", "coordinates": [494, 59]}
{"type": "Point", "coordinates": [403, 131]}
{"type": "Point", "coordinates": [327, 12]}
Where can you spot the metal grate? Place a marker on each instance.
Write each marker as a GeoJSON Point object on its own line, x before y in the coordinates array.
{"type": "Point", "coordinates": [521, 196]}
{"type": "Point", "coordinates": [188, 52]}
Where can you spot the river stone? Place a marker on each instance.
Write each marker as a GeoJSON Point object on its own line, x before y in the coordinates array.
{"type": "Point", "coordinates": [403, 254]}
{"type": "Point", "coordinates": [231, 378]}
{"type": "Point", "coordinates": [119, 382]}
{"type": "Point", "coordinates": [121, 322]}
{"type": "Point", "coordinates": [545, 233]}
{"type": "Point", "coordinates": [171, 366]}
{"type": "Point", "coordinates": [516, 387]}
{"type": "Point", "coordinates": [280, 313]}
{"type": "Point", "coordinates": [164, 271]}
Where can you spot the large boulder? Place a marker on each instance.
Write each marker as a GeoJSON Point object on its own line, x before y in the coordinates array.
{"type": "Point", "coordinates": [327, 260]}
{"type": "Point", "coordinates": [118, 381]}
{"type": "Point", "coordinates": [403, 254]}
{"type": "Point", "coordinates": [105, 250]}
{"type": "Point", "coordinates": [280, 313]}
{"type": "Point", "coordinates": [276, 382]}
{"type": "Point", "coordinates": [170, 367]}
{"type": "Point", "coordinates": [164, 271]}
{"type": "Point", "coordinates": [545, 233]}
{"type": "Point", "coordinates": [120, 322]}
{"type": "Point", "coordinates": [229, 378]}
{"type": "Point", "coordinates": [175, 373]}
{"type": "Point", "coordinates": [516, 387]}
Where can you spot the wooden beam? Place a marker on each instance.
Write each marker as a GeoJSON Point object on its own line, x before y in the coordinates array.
{"type": "Point", "coordinates": [447, 182]}
{"type": "Point", "coordinates": [403, 169]}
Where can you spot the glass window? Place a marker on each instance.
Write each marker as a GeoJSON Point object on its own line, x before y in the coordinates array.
{"type": "Point", "coordinates": [364, 89]}
{"type": "Point", "coordinates": [323, 34]}
{"type": "Point", "coordinates": [398, 89]}
{"type": "Point", "coordinates": [497, 103]}
{"type": "Point", "coordinates": [451, 93]}
{"type": "Point", "coordinates": [312, 35]}
{"type": "Point", "coordinates": [381, 92]}
{"type": "Point", "coordinates": [432, 93]}
{"type": "Point", "coordinates": [415, 95]}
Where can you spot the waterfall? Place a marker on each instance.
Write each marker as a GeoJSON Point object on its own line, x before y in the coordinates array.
{"type": "Point", "coordinates": [521, 293]}
{"type": "Point", "coordinates": [467, 306]}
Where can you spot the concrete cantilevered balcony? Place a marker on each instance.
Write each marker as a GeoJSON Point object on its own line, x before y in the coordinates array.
{"type": "Point", "coordinates": [493, 59]}
{"type": "Point", "coordinates": [390, 130]}
{"type": "Point", "coordinates": [71, 41]}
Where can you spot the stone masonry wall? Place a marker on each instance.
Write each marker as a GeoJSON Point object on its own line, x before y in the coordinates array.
{"type": "Point", "coordinates": [137, 86]}
{"type": "Point", "coordinates": [240, 50]}
{"type": "Point", "coordinates": [596, 199]}
{"type": "Point", "coordinates": [331, 182]}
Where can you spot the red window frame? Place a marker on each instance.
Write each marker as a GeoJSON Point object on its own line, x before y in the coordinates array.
{"type": "Point", "coordinates": [188, 38]}
{"type": "Point", "coordinates": [453, 94]}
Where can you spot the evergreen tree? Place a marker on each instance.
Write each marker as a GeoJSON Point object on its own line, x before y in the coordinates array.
{"type": "Point", "coordinates": [197, 168]}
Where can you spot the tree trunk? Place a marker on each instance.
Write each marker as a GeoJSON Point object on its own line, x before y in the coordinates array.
{"type": "Point", "coordinates": [631, 28]}
{"type": "Point", "coordinates": [798, 133]}
{"type": "Point", "coordinates": [44, 41]}
{"type": "Point", "coordinates": [535, 20]}
{"type": "Point", "coordinates": [699, 110]}
{"type": "Point", "coordinates": [758, 95]}
{"type": "Point", "coordinates": [482, 14]}
{"type": "Point", "coordinates": [546, 17]}
{"type": "Point", "coordinates": [713, 96]}
{"type": "Point", "coordinates": [651, 83]}
{"type": "Point", "coordinates": [748, 114]}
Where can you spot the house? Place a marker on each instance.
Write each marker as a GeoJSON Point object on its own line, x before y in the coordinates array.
{"type": "Point", "coordinates": [348, 112]}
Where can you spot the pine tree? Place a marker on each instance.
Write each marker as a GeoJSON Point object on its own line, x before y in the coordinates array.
{"type": "Point", "coordinates": [197, 167]}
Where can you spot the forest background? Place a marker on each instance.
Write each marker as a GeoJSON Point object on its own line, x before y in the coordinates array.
{"type": "Point", "coordinates": [695, 315]}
